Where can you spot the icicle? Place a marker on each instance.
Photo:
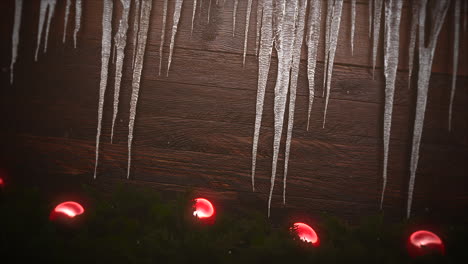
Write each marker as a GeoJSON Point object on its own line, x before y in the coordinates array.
{"type": "Point", "coordinates": [391, 46]}
{"type": "Point", "coordinates": [193, 15]}
{"type": "Point", "coordinates": [175, 22]}
{"type": "Point", "coordinates": [77, 20]}
{"type": "Point", "coordinates": [50, 14]}
{"type": "Point", "coordinates": [313, 24]}
{"type": "Point", "coordinates": [296, 59]}
{"type": "Point", "coordinates": [412, 42]}
{"type": "Point", "coordinates": [114, 52]}
{"type": "Point", "coordinates": [120, 41]}
{"type": "Point", "coordinates": [15, 36]}
{"type": "Point", "coordinates": [209, 11]}
{"type": "Point", "coordinates": [49, 7]}
{"type": "Point", "coordinates": [284, 42]}
{"type": "Point", "coordinates": [259, 24]}
{"type": "Point", "coordinates": [456, 41]}
{"type": "Point", "coordinates": [353, 24]}
{"type": "Point", "coordinates": [334, 31]}
{"type": "Point", "coordinates": [105, 53]}
{"type": "Point", "coordinates": [146, 6]}
{"type": "Point", "coordinates": [327, 42]}
{"type": "Point", "coordinates": [234, 14]}
{"type": "Point", "coordinates": [426, 55]}
{"type": "Point", "coordinates": [67, 13]}
{"type": "Point", "coordinates": [264, 59]}
{"type": "Point", "coordinates": [246, 33]}
{"type": "Point", "coordinates": [370, 17]}
{"type": "Point", "coordinates": [465, 19]}
{"type": "Point", "coordinates": [375, 43]}
{"type": "Point", "coordinates": [201, 9]}
{"type": "Point", "coordinates": [136, 25]}
{"type": "Point", "coordinates": [163, 30]}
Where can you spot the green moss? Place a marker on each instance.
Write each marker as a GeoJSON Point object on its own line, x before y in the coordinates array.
{"type": "Point", "coordinates": [135, 225]}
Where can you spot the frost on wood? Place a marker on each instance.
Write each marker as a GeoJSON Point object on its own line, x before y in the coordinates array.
{"type": "Point", "coordinates": [375, 41]}
{"type": "Point", "coordinates": [146, 6]}
{"type": "Point", "coordinates": [105, 54]}
{"type": "Point", "coordinates": [456, 41]}
{"type": "Point", "coordinates": [259, 24]}
{"type": "Point", "coordinates": [136, 25]}
{"type": "Point", "coordinates": [286, 15]}
{"type": "Point", "coordinates": [234, 15]}
{"type": "Point", "coordinates": [194, 9]}
{"type": "Point", "coordinates": [65, 22]}
{"type": "Point", "coordinates": [163, 31]}
{"type": "Point", "coordinates": [120, 41]}
{"type": "Point", "coordinates": [49, 7]}
{"type": "Point", "coordinates": [313, 36]}
{"type": "Point", "coordinates": [412, 42]}
{"type": "Point", "coordinates": [426, 55]}
{"type": "Point", "coordinates": [264, 59]}
{"type": "Point", "coordinates": [246, 33]}
{"type": "Point", "coordinates": [15, 36]}
{"type": "Point", "coordinates": [77, 20]}
{"type": "Point", "coordinates": [353, 24]}
{"type": "Point", "coordinates": [296, 59]}
{"type": "Point", "coordinates": [334, 28]}
{"type": "Point", "coordinates": [391, 46]}
{"type": "Point", "coordinates": [175, 22]}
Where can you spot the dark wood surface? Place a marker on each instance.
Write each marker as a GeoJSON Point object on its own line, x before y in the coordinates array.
{"type": "Point", "coordinates": [194, 128]}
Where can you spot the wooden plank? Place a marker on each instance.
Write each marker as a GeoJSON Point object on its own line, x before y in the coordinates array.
{"type": "Point", "coordinates": [185, 168]}
{"type": "Point", "coordinates": [349, 83]}
{"type": "Point", "coordinates": [194, 128]}
{"type": "Point", "coordinates": [209, 101]}
{"type": "Point", "coordinates": [217, 36]}
{"type": "Point", "coordinates": [197, 135]}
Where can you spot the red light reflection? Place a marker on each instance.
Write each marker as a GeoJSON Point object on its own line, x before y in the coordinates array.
{"type": "Point", "coordinates": [2, 183]}
{"type": "Point", "coordinates": [306, 233]}
{"type": "Point", "coordinates": [68, 209]}
{"type": "Point", "coordinates": [423, 242]}
{"type": "Point", "coordinates": [203, 208]}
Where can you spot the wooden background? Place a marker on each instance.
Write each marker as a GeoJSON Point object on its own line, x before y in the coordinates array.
{"type": "Point", "coordinates": [194, 128]}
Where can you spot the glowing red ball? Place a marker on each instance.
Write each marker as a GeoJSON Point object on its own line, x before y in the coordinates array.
{"type": "Point", "coordinates": [424, 242]}
{"type": "Point", "coordinates": [306, 233]}
{"type": "Point", "coordinates": [203, 208]}
{"type": "Point", "coordinates": [2, 183]}
{"type": "Point", "coordinates": [67, 209]}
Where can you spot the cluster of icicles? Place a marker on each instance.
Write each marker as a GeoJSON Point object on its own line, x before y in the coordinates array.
{"type": "Point", "coordinates": [283, 25]}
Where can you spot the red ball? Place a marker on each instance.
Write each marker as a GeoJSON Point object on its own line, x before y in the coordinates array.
{"type": "Point", "coordinates": [66, 210]}
{"type": "Point", "coordinates": [204, 210]}
{"type": "Point", "coordinates": [306, 234]}
{"type": "Point", "coordinates": [425, 242]}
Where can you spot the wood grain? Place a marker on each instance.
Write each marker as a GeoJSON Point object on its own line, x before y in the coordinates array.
{"type": "Point", "coordinates": [194, 128]}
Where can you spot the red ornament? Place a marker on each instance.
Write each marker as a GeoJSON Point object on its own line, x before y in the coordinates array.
{"type": "Point", "coordinates": [424, 242]}
{"type": "Point", "coordinates": [67, 209]}
{"type": "Point", "coordinates": [3, 176]}
{"type": "Point", "coordinates": [307, 234]}
{"type": "Point", "coordinates": [203, 209]}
